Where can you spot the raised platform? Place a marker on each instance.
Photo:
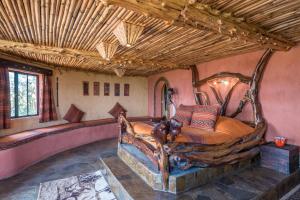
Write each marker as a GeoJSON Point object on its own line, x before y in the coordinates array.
{"type": "Point", "coordinates": [179, 180]}
{"type": "Point", "coordinates": [251, 183]}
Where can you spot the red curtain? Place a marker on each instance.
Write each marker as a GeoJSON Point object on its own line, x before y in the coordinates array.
{"type": "Point", "coordinates": [4, 99]}
{"type": "Point", "coordinates": [47, 107]}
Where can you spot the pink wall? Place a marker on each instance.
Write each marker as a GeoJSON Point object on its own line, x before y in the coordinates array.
{"type": "Point", "coordinates": [15, 160]}
{"type": "Point", "coordinates": [279, 94]}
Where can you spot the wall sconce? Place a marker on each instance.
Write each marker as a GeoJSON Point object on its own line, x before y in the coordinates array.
{"type": "Point", "coordinates": [222, 85]}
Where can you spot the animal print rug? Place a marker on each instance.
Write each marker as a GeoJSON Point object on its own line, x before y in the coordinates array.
{"type": "Point", "coordinates": [91, 186]}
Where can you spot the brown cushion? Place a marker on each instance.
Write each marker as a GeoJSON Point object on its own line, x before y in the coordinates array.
{"type": "Point", "coordinates": [74, 115]}
{"type": "Point", "coordinates": [205, 117]}
{"type": "Point", "coordinates": [184, 116]}
{"type": "Point", "coordinates": [116, 110]}
{"type": "Point", "coordinates": [196, 135]}
{"type": "Point", "coordinates": [232, 127]}
{"type": "Point", "coordinates": [98, 122]}
{"type": "Point", "coordinates": [142, 128]}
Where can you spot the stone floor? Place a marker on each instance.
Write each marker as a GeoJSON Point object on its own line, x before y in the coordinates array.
{"type": "Point", "coordinates": [253, 183]}
{"type": "Point", "coordinates": [73, 162]}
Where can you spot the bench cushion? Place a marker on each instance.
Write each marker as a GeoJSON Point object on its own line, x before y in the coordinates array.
{"type": "Point", "coordinates": [27, 136]}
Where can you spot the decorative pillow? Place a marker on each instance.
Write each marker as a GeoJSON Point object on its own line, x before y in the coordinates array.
{"type": "Point", "coordinates": [74, 115]}
{"type": "Point", "coordinates": [205, 117]}
{"type": "Point", "coordinates": [183, 116]}
{"type": "Point", "coordinates": [116, 110]}
{"type": "Point", "coordinates": [186, 107]}
{"type": "Point", "coordinates": [194, 108]}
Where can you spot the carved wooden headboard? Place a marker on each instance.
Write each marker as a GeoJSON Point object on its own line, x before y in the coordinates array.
{"type": "Point", "coordinates": [251, 95]}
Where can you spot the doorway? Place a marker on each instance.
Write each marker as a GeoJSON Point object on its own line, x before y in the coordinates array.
{"type": "Point", "coordinates": [164, 101]}
{"type": "Point", "coordinates": [161, 105]}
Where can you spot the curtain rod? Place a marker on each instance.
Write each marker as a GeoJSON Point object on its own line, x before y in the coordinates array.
{"type": "Point", "coordinates": [20, 66]}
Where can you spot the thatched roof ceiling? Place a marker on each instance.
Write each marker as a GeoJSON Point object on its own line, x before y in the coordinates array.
{"type": "Point", "coordinates": [177, 33]}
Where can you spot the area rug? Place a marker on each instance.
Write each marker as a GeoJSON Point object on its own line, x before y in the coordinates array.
{"type": "Point", "coordinates": [91, 186]}
{"type": "Point", "coordinates": [294, 194]}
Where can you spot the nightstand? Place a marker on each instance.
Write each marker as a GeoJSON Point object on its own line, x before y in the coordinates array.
{"type": "Point", "coordinates": [285, 159]}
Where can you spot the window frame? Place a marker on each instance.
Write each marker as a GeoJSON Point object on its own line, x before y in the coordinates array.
{"type": "Point", "coordinates": [16, 81]}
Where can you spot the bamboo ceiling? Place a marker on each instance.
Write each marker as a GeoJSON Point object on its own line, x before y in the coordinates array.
{"type": "Point", "coordinates": [64, 33]}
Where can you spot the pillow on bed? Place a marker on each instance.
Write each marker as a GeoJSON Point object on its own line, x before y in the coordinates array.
{"type": "Point", "coordinates": [74, 115]}
{"type": "Point", "coordinates": [183, 116]}
{"type": "Point", "coordinates": [142, 128]}
{"type": "Point", "coordinates": [233, 127]}
{"type": "Point", "coordinates": [186, 107]}
{"type": "Point", "coordinates": [205, 117]}
{"type": "Point", "coordinates": [194, 108]}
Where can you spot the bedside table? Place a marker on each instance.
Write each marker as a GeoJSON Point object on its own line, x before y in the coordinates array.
{"type": "Point", "coordinates": [285, 159]}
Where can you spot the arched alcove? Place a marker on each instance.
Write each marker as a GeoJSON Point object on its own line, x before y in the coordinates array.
{"type": "Point", "coordinates": [160, 98]}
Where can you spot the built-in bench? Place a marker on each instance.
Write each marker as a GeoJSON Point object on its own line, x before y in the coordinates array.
{"type": "Point", "coordinates": [21, 150]}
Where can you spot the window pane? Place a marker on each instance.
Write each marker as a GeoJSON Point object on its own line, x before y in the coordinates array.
{"type": "Point", "coordinates": [12, 93]}
{"type": "Point", "coordinates": [22, 94]}
{"type": "Point", "coordinates": [32, 95]}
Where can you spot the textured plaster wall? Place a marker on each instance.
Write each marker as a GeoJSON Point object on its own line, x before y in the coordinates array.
{"type": "Point", "coordinates": [279, 94]}
{"type": "Point", "coordinates": [96, 107]}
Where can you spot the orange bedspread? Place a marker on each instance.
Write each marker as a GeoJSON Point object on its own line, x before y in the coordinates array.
{"type": "Point", "coordinates": [226, 129]}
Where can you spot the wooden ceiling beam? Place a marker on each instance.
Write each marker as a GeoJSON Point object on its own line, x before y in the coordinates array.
{"type": "Point", "coordinates": [27, 61]}
{"type": "Point", "coordinates": [86, 55]}
{"type": "Point", "coordinates": [189, 13]}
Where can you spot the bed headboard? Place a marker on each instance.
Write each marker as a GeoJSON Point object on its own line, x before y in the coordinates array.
{"type": "Point", "coordinates": [233, 79]}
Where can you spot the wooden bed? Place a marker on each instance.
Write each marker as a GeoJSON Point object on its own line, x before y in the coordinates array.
{"type": "Point", "coordinates": [162, 141]}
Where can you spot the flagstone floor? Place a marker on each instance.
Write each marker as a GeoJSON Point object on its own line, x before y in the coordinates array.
{"type": "Point", "coordinates": [73, 162]}
{"type": "Point", "coordinates": [248, 184]}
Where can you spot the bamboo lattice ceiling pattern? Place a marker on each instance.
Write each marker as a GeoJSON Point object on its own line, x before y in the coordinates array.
{"type": "Point", "coordinates": [64, 33]}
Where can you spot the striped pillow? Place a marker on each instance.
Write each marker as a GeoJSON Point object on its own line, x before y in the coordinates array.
{"type": "Point", "coordinates": [186, 107]}
{"type": "Point", "coordinates": [183, 116]}
{"type": "Point", "coordinates": [205, 117]}
{"type": "Point", "coordinates": [74, 115]}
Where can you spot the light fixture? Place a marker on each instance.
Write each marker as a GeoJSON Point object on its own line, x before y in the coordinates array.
{"type": "Point", "coordinates": [128, 33]}
{"type": "Point", "coordinates": [107, 50]}
{"type": "Point", "coordinates": [223, 85]}
{"type": "Point", "coordinates": [119, 71]}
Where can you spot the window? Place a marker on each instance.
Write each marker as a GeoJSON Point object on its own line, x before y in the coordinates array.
{"type": "Point", "coordinates": [85, 88]}
{"type": "Point", "coordinates": [23, 94]}
{"type": "Point", "coordinates": [117, 89]}
{"type": "Point", "coordinates": [126, 89]}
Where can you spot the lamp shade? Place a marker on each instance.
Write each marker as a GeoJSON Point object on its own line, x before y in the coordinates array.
{"type": "Point", "coordinates": [119, 72]}
{"type": "Point", "coordinates": [128, 33]}
{"type": "Point", "coordinates": [107, 50]}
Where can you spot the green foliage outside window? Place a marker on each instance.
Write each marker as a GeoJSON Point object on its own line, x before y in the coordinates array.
{"type": "Point", "coordinates": [23, 94]}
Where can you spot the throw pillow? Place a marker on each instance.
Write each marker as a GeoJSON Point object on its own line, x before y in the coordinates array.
{"type": "Point", "coordinates": [74, 115]}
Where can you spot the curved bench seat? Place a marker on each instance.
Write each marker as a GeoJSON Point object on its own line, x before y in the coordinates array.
{"type": "Point", "coordinates": [21, 150]}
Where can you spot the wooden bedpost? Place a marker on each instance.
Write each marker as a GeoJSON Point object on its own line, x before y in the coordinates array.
{"type": "Point", "coordinates": [252, 94]}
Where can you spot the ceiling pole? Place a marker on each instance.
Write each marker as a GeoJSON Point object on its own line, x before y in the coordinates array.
{"type": "Point", "coordinates": [201, 16]}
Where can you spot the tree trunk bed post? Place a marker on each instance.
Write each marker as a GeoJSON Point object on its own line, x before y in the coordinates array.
{"type": "Point", "coordinates": [169, 154]}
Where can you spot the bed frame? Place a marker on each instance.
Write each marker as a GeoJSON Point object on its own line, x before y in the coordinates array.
{"type": "Point", "coordinates": [169, 154]}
